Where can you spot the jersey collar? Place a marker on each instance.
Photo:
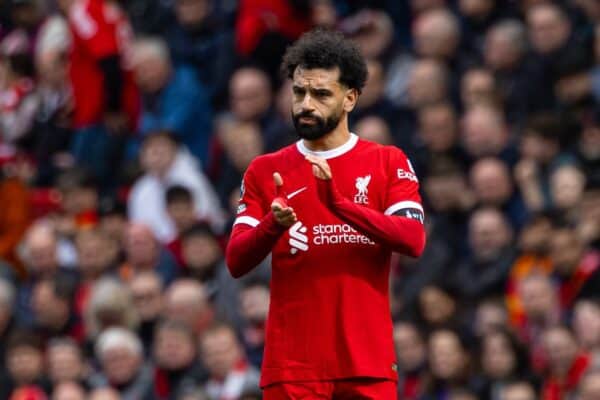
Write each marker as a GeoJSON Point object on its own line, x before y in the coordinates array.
{"type": "Point", "coordinates": [338, 151]}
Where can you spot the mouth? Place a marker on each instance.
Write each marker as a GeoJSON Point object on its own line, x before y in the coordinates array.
{"type": "Point", "coordinates": [307, 120]}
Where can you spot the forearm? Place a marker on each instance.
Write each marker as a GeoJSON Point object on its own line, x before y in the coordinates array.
{"type": "Point", "coordinates": [249, 245]}
{"type": "Point", "coordinates": [402, 234]}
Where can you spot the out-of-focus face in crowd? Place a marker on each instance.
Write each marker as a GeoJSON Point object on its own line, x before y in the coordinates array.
{"type": "Point", "coordinates": [220, 351]}
{"type": "Point", "coordinates": [410, 347]}
{"type": "Point", "coordinates": [242, 142]}
{"type": "Point", "coordinates": [174, 346]}
{"type": "Point", "coordinates": [191, 13]}
{"type": "Point", "coordinates": [141, 247]}
{"type": "Point", "coordinates": [201, 253]}
{"type": "Point", "coordinates": [476, 8]}
{"type": "Point", "coordinates": [488, 316]}
{"type": "Point", "coordinates": [428, 83]}
{"type": "Point", "coordinates": [186, 302]}
{"type": "Point", "coordinates": [505, 44]}
{"type": "Point", "coordinates": [586, 324]}
{"type": "Point", "coordinates": [96, 252]}
{"type": "Point", "coordinates": [374, 129]}
{"type": "Point", "coordinates": [68, 391]}
{"type": "Point", "coordinates": [484, 131]}
{"type": "Point", "coordinates": [518, 391]}
{"type": "Point", "coordinates": [489, 234]}
{"type": "Point", "coordinates": [478, 87]}
{"type": "Point", "coordinates": [561, 349]}
{"type": "Point", "coordinates": [566, 251]}
{"type": "Point", "coordinates": [535, 235]}
{"type": "Point", "coordinates": [538, 297]}
{"type": "Point", "coordinates": [436, 34]}
{"type": "Point", "coordinates": [64, 361]}
{"type": "Point", "coordinates": [436, 305]}
{"type": "Point", "coordinates": [438, 127]}
{"type": "Point", "coordinates": [151, 64]}
{"type": "Point", "coordinates": [549, 28]}
{"type": "Point", "coordinates": [498, 357]}
{"type": "Point", "coordinates": [146, 291]}
{"type": "Point", "coordinates": [567, 184]}
{"type": "Point", "coordinates": [40, 245]}
{"type": "Point", "coordinates": [447, 357]}
{"type": "Point", "coordinates": [249, 94]}
{"type": "Point", "coordinates": [120, 354]}
{"type": "Point", "coordinates": [491, 181]}
{"type": "Point", "coordinates": [157, 154]}
{"type": "Point", "coordinates": [589, 387]}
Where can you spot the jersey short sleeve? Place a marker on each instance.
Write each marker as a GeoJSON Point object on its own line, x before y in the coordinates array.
{"type": "Point", "coordinates": [250, 206]}
{"type": "Point", "coordinates": [403, 197]}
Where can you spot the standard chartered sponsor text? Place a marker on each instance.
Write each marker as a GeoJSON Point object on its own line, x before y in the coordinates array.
{"type": "Point", "coordinates": [324, 234]}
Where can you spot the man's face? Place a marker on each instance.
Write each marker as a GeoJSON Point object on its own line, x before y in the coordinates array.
{"type": "Point", "coordinates": [318, 101]}
{"type": "Point", "coordinates": [64, 363]}
{"type": "Point", "coordinates": [147, 296]}
{"type": "Point", "coordinates": [191, 13]}
{"type": "Point", "coordinates": [409, 347]}
{"type": "Point", "coordinates": [589, 389]}
{"type": "Point", "coordinates": [25, 364]}
{"type": "Point", "coordinates": [120, 364]}
{"type": "Point", "coordinates": [438, 128]}
{"type": "Point", "coordinates": [548, 28]}
{"type": "Point", "coordinates": [200, 253]}
{"type": "Point", "coordinates": [220, 352]}
{"type": "Point", "coordinates": [561, 349]}
{"type": "Point", "coordinates": [173, 349]}
{"type": "Point", "coordinates": [182, 213]}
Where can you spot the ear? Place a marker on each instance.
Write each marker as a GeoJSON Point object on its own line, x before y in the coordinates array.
{"type": "Point", "coordinates": [350, 99]}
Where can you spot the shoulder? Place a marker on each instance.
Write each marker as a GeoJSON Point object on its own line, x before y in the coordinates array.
{"type": "Point", "coordinates": [280, 159]}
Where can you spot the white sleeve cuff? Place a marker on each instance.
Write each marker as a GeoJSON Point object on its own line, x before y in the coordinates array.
{"type": "Point", "coordinates": [245, 219]}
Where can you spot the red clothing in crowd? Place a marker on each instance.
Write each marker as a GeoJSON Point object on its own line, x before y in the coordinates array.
{"type": "Point", "coordinates": [329, 314]}
{"type": "Point", "coordinates": [558, 389]}
{"type": "Point", "coordinates": [100, 29]}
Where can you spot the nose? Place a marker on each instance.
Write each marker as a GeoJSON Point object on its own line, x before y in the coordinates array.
{"type": "Point", "coordinates": [307, 103]}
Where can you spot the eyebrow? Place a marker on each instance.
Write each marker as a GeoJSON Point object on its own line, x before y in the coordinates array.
{"type": "Point", "coordinates": [320, 91]}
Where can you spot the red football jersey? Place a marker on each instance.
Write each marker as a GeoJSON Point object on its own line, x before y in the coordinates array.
{"type": "Point", "coordinates": [99, 29]}
{"type": "Point", "coordinates": [329, 316]}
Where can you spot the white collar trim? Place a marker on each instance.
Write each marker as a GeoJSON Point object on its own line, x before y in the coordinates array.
{"type": "Point", "coordinates": [338, 151]}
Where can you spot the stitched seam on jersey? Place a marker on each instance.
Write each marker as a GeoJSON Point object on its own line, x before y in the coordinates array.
{"type": "Point", "coordinates": [403, 204]}
{"type": "Point", "coordinates": [338, 151]}
{"type": "Point", "coordinates": [245, 219]}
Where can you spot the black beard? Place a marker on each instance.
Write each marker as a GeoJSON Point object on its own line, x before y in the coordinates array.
{"type": "Point", "coordinates": [320, 128]}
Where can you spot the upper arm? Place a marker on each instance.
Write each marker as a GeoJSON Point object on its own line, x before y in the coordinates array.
{"type": "Point", "coordinates": [402, 196]}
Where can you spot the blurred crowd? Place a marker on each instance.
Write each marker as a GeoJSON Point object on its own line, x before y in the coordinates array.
{"type": "Point", "coordinates": [125, 129]}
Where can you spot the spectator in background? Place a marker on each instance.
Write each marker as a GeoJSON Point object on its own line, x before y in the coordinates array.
{"type": "Point", "coordinates": [25, 362]}
{"type": "Point", "coordinates": [491, 181]}
{"type": "Point", "coordinates": [146, 291]}
{"type": "Point", "coordinates": [68, 391]}
{"type": "Point", "coordinates": [180, 207]}
{"type": "Point", "coordinates": [437, 35]}
{"type": "Point", "coordinates": [450, 364]}
{"type": "Point", "coordinates": [65, 362]}
{"type": "Point", "coordinates": [51, 303]}
{"type": "Point", "coordinates": [198, 35]}
{"type": "Point", "coordinates": [503, 359]}
{"type": "Point", "coordinates": [242, 142]}
{"type": "Point", "coordinates": [186, 301]}
{"type": "Point", "coordinates": [251, 101]}
{"type": "Point", "coordinates": [478, 86]}
{"type": "Point", "coordinates": [106, 102]}
{"type": "Point", "coordinates": [490, 314]}
{"type": "Point", "coordinates": [589, 386]}
{"type": "Point", "coordinates": [374, 129]}
{"type": "Point", "coordinates": [7, 306]}
{"type": "Point", "coordinates": [229, 372]}
{"type": "Point", "coordinates": [587, 150]}
{"type": "Point", "coordinates": [173, 99]}
{"type": "Point", "coordinates": [576, 268]}
{"type": "Point", "coordinates": [121, 359]}
{"type": "Point", "coordinates": [254, 306]}
{"type": "Point", "coordinates": [110, 305]}
{"type": "Point", "coordinates": [518, 390]}
{"type": "Point", "coordinates": [104, 393]}
{"type": "Point", "coordinates": [166, 164]}
{"type": "Point", "coordinates": [586, 324]}
{"type": "Point", "coordinates": [567, 365]}
{"type": "Point", "coordinates": [14, 215]}
{"type": "Point", "coordinates": [438, 306]}
{"type": "Point", "coordinates": [177, 366]}
{"type": "Point", "coordinates": [484, 272]}
{"type": "Point", "coordinates": [486, 134]}
{"type": "Point", "coordinates": [428, 83]}
{"type": "Point", "coordinates": [39, 253]}
{"type": "Point", "coordinates": [19, 101]}
{"type": "Point", "coordinates": [525, 88]}
{"type": "Point", "coordinates": [144, 253]}
{"type": "Point", "coordinates": [567, 183]}
{"type": "Point", "coordinates": [412, 360]}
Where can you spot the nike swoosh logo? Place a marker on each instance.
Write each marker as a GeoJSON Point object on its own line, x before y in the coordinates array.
{"type": "Point", "coordinates": [289, 196]}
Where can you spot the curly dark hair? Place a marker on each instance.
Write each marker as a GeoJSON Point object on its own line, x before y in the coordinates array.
{"type": "Point", "coordinates": [327, 49]}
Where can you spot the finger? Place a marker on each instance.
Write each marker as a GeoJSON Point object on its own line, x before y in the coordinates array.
{"type": "Point", "coordinates": [278, 184]}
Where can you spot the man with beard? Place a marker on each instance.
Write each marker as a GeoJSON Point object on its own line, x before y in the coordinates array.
{"type": "Point", "coordinates": [331, 209]}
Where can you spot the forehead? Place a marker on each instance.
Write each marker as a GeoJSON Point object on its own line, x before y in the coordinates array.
{"type": "Point", "coordinates": [317, 77]}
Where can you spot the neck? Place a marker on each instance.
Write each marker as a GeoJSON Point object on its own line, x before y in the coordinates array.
{"type": "Point", "coordinates": [334, 139]}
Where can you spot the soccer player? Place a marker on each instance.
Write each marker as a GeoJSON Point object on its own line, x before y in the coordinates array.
{"type": "Point", "coordinates": [331, 209]}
